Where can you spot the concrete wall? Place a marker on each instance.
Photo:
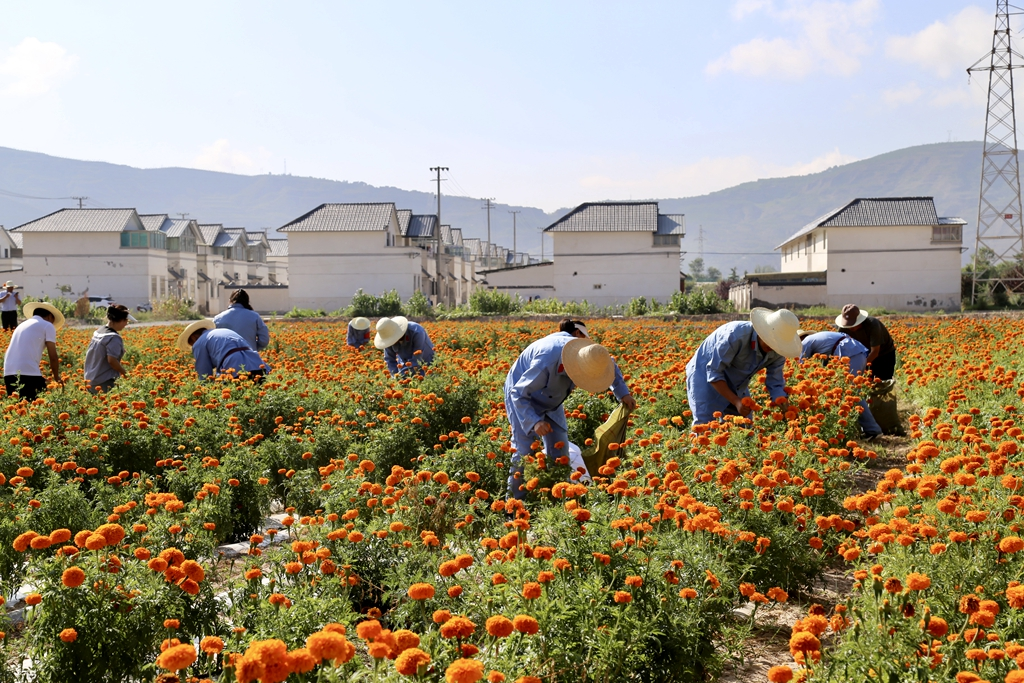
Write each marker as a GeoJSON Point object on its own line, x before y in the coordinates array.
{"type": "Point", "coordinates": [529, 282]}
{"type": "Point", "coordinates": [747, 295]}
{"type": "Point", "coordinates": [327, 268]}
{"type": "Point", "coordinates": [606, 268]}
{"type": "Point", "coordinates": [93, 261]}
{"type": "Point", "coordinates": [897, 268]}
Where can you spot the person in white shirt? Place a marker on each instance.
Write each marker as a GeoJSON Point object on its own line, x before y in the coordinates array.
{"type": "Point", "coordinates": [30, 339]}
{"type": "Point", "coordinates": [9, 302]}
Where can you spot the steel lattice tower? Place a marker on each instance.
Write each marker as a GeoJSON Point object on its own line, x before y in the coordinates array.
{"type": "Point", "coordinates": [1000, 227]}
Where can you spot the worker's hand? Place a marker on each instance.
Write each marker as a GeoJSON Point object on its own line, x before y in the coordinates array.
{"type": "Point", "coordinates": [742, 408]}
{"type": "Point", "coordinates": [543, 428]}
{"type": "Point", "coordinates": [629, 402]}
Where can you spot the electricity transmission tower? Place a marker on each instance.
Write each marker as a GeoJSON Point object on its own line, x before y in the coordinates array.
{"type": "Point", "coordinates": [1000, 233]}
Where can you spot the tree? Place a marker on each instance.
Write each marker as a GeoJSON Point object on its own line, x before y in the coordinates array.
{"type": "Point", "coordinates": [733, 277]}
{"type": "Point", "coordinates": [697, 268]}
{"type": "Point", "coordinates": [714, 274]}
{"type": "Point", "coordinates": [764, 269]}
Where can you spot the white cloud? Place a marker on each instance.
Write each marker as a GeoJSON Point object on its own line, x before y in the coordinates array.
{"type": "Point", "coordinates": [946, 47]}
{"type": "Point", "coordinates": [973, 96]}
{"type": "Point", "coordinates": [906, 94]}
{"type": "Point", "coordinates": [830, 38]}
{"type": "Point", "coordinates": [221, 156]}
{"type": "Point", "coordinates": [707, 175]}
{"type": "Point", "coordinates": [34, 68]}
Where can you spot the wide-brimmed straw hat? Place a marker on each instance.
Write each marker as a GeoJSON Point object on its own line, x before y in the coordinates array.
{"type": "Point", "coordinates": [851, 316]}
{"type": "Point", "coordinates": [589, 365]}
{"type": "Point", "coordinates": [360, 323]}
{"type": "Point", "coordinates": [389, 331]}
{"type": "Point", "coordinates": [778, 329]}
{"type": "Point", "coordinates": [10, 283]}
{"type": "Point", "coordinates": [204, 324]}
{"type": "Point", "coordinates": [30, 310]}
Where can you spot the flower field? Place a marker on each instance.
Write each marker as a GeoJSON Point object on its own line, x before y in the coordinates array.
{"type": "Point", "coordinates": [396, 557]}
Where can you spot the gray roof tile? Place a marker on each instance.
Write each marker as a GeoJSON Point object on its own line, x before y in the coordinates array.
{"type": "Point", "coordinates": [278, 247]}
{"type": "Point", "coordinates": [210, 232]}
{"type": "Point", "coordinates": [84, 220]}
{"type": "Point", "coordinates": [671, 224]}
{"type": "Point", "coordinates": [404, 216]}
{"type": "Point", "coordinates": [176, 227]}
{"type": "Point", "coordinates": [876, 212]}
{"type": "Point", "coordinates": [17, 238]}
{"type": "Point", "coordinates": [154, 221]}
{"type": "Point", "coordinates": [343, 217]}
{"type": "Point", "coordinates": [609, 217]}
{"type": "Point", "coordinates": [421, 226]}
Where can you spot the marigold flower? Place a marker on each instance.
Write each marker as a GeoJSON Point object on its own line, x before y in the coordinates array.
{"type": "Point", "coordinates": [688, 593]}
{"type": "Point", "coordinates": [937, 626]}
{"type": "Point", "coordinates": [499, 626]}
{"type": "Point", "coordinates": [33, 599]}
{"type": "Point", "coordinates": [1011, 544]}
{"type": "Point", "coordinates": [464, 671]}
{"type": "Point", "coordinates": [623, 597]}
{"type": "Point", "coordinates": [369, 629]}
{"type": "Point", "coordinates": [457, 627]}
{"type": "Point", "coordinates": [211, 645]}
{"type": "Point", "coordinates": [411, 661]}
{"type": "Point", "coordinates": [780, 674]}
{"type": "Point", "coordinates": [69, 635]}
{"type": "Point", "coordinates": [532, 590]}
{"type": "Point", "coordinates": [405, 639]}
{"type": "Point", "coordinates": [171, 623]}
{"type": "Point", "coordinates": [526, 624]}
{"type": "Point", "coordinates": [72, 577]}
{"type": "Point", "coordinates": [421, 591]}
{"type": "Point", "coordinates": [302, 661]}
{"type": "Point", "coordinates": [378, 650]}
{"type": "Point", "coordinates": [528, 679]}
{"type": "Point", "coordinates": [177, 657]}
{"type": "Point", "coordinates": [326, 645]}
{"type": "Point", "coordinates": [193, 570]}
{"type": "Point", "coordinates": [918, 582]}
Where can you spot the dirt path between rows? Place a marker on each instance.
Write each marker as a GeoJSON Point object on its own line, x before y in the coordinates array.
{"type": "Point", "coordinates": [768, 643]}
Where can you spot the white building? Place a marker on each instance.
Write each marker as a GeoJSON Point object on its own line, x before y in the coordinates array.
{"type": "Point", "coordinates": [102, 252]}
{"type": "Point", "coordinates": [891, 252]}
{"type": "Point", "coordinates": [277, 261]}
{"type": "Point", "coordinates": [337, 249]}
{"type": "Point", "coordinates": [611, 252]}
{"type": "Point", "coordinates": [10, 255]}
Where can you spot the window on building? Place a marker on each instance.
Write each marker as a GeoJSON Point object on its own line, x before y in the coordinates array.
{"type": "Point", "coordinates": [809, 242]}
{"type": "Point", "coordinates": [143, 239]}
{"type": "Point", "coordinates": [597, 286]}
{"type": "Point", "coordinates": [947, 233]}
{"type": "Point", "coordinates": [154, 294]}
{"type": "Point", "coordinates": [666, 240]}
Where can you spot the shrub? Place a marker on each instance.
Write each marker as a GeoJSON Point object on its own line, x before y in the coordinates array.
{"type": "Point", "coordinates": [493, 302]}
{"type": "Point", "coordinates": [386, 305]}
{"type": "Point", "coordinates": [701, 301]}
{"type": "Point", "coordinates": [418, 306]}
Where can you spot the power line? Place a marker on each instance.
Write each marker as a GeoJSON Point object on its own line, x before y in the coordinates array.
{"type": "Point", "coordinates": [18, 195]}
{"type": "Point", "coordinates": [80, 200]}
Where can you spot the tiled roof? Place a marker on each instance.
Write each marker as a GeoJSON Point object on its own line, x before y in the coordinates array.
{"type": "Point", "coordinates": [210, 232]}
{"type": "Point", "coordinates": [343, 217]}
{"type": "Point", "coordinates": [609, 217]}
{"type": "Point", "coordinates": [671, 224]}
{"type": "Point", "coordinates": [17, 238]}
{"type": "Point", "coordinates": [176, 227]}
{"type": "Point", "coordinates": [876, 212]}
{"type": "Point", "coordinates": [404, 215]}
{"type": "Point", "coordinates": [457, 237]}
{"type": "Point", "coordinates": [153, 221]}
{"type": "Point", "coordinates": [228, 238]}
{"type": "Point", "coordinates": [278, 247]}
{"type": "Point", "coordinates": [446, 234]}
{"type": "Point", "coordinates": [421, 226]}
{"type": "Point", "coordinates": [84, 220]}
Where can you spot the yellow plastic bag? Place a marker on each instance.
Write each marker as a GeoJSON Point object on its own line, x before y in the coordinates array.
{"type": "Point", "coordinates": [612, 431]}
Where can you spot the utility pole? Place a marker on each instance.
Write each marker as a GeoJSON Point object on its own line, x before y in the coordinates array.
{"type": "Point", "coordinates": [80, 200]}
{"type": "Point", "coordinates": [514, 235]}
{"type": "Point", "coordinates": [488, 205]}
{"type": "Point", "coordinates": [541, 244]}
{"type": "Point", "coordinates": [437, 232]}
{"type": "Point", "coordinates": [700, 242]}
{"type": "Point", "coordinates": [182, 214]}
{"type": "Point", "coordinates": [1000, 227]}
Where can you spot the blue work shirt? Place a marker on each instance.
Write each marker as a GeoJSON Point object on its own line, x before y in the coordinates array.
{"type": "Point", "coordinates": [247, 323]}
{"type": "Point", "coordinates": [730, 353]}
{"type": "Point", "coordinates": [222, 350]}
{"type": "Point", "coordinates": [836, 344]}
{"type": "Point", "coordinates": [404, 350]}
{"type": "Point", "coordinates": [356, 337]}
{"type": "Point", "coordinates": [537, 386]}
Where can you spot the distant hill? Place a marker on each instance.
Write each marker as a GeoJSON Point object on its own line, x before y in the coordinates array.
{"type": "Point", "coordinates": [753, 217]}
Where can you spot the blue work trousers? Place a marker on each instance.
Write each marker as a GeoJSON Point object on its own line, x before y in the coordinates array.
{"type": "Point", "coordinates": [522, 448]}
{"type": "Point", "coordinates": [867, 422]}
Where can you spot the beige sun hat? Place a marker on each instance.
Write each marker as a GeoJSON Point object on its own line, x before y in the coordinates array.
{"type": "Point", "coordinates": [30, 308]}
{"type": "Point", "coordinates": [778, 329]}
{"type": "Point", "coordinates": [360, 323]}
{"type": "Point", "coordinates": [204, 324]}
{"type": "Point", "coordinates": [10, 283]}
{"type": "Point", "coordinates": [589, 365]}
{"type": "Point", "coordinates": [850, 317]}
{"type": "Point", "coordinates": [389, 331]}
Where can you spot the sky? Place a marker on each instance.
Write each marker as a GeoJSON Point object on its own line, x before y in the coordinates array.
{"type": "Point", "coordinates": [544, 104]}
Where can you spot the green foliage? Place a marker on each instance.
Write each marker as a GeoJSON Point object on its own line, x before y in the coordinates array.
{"type": "Point", "coordinates": [387, 305]}
{"type": "Point", "coordinates": [699, 301]}
{"type": "Point", "coordinates": [174, 309]}
{"type": "Point", "coordinates": [492, 302]}
{"type": "Point", "coordinates": [418, 306]}
{"type": "Point", "coordinates": [297, 312]}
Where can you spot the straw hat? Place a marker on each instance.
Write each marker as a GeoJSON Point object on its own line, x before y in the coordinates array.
{"type": "Point", "coordinates": [851, 316]}
{"type": "Point", "coordinates": [30, 310]}
{"type": "Point", "coordinates": [10, 283]}
{"type": "Point", "coordinates": [778, 329]}
{"type": "Point", "coordinates": [389, 331]}
{"type": "Point", "coordinates": [588, 364]}
{"type": "Point", "coordinates": [204, 324]}
{"type": "Point", "coordinates": [360, 323]}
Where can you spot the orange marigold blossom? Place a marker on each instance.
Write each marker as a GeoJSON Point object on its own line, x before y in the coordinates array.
{"type": "Point", "coordinates": [411, 660]}
{"type": "Point", "coordinates": [72, 577]}
{"type": "Point", "coordinates": [457, 627]}
{"type": "Point", "coordinates": [421, 591]}
{"type": "Point", "coordinates": [69, 635]}
{"type": "Point", "coordinates": [464, 671]}
{"type": "Point", "coordinates": [177, 657]}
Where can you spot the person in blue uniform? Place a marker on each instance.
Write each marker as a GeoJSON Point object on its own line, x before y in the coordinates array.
{"type": "Point", "coordinates": [242, 319]}
{"type": "Point", "coordinates": [358, 332]}
{"type": "Point", "coordinates": [842, 345]}
{"type": "Point", "coordinates": [719, 374]}
{"type": "Point", "coordinates": [218, 351]}
{"type": "Point", "coordinates": [406, 345]}
{"type": "Point", "coordinates": [538, 383]}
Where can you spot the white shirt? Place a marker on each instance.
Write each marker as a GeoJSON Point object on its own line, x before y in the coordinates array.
{"type": "Point", "coordinates": [8, 302]}
{"type": "Point", "coordinates": [27, 346]}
